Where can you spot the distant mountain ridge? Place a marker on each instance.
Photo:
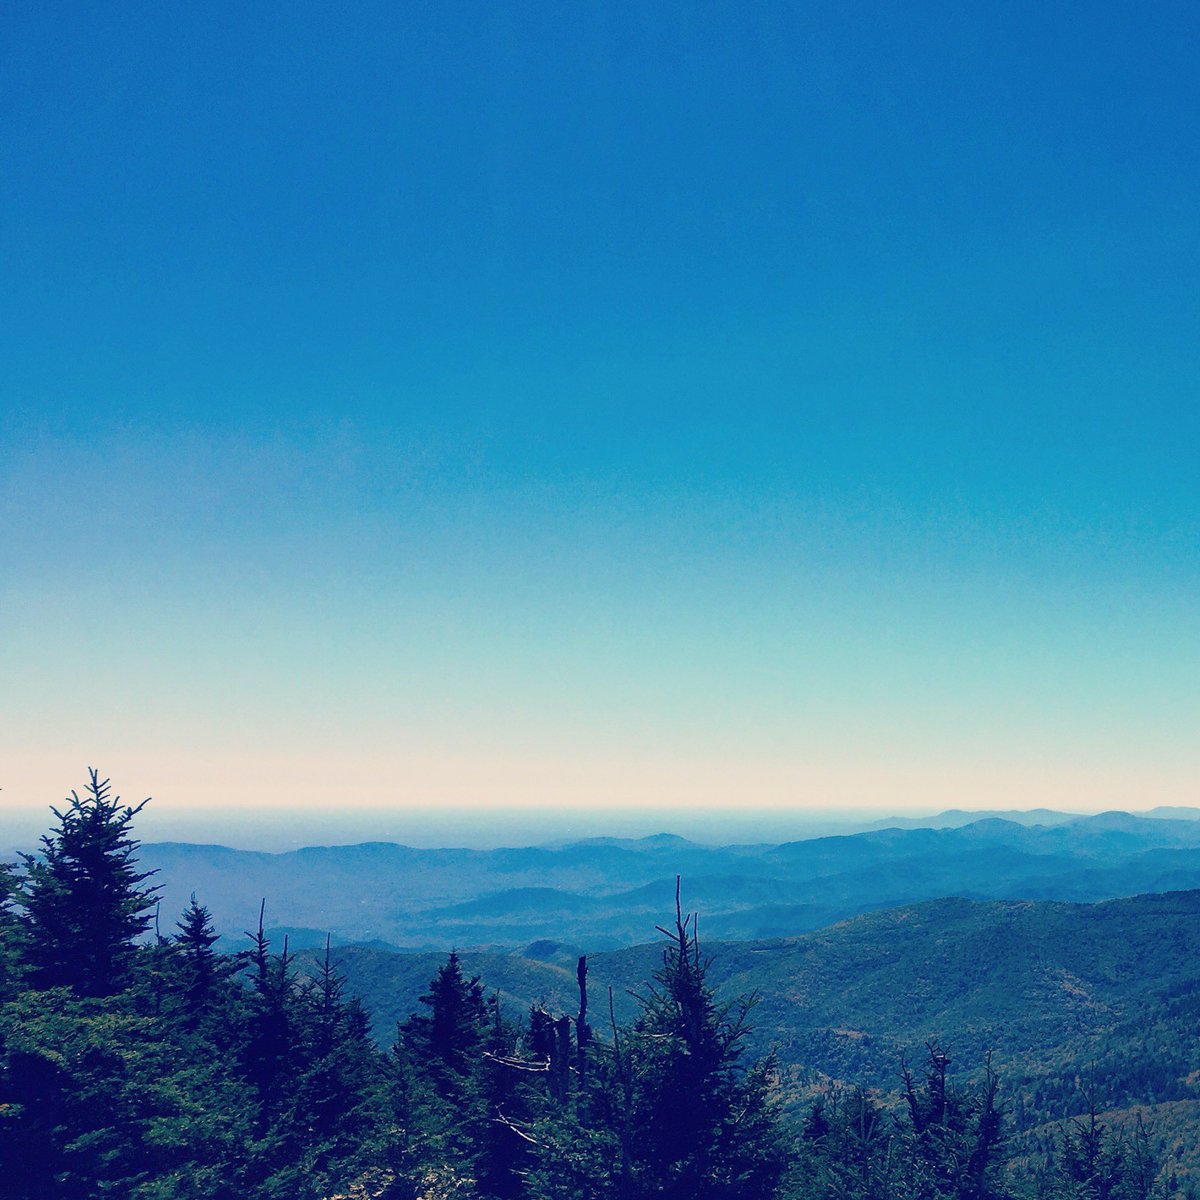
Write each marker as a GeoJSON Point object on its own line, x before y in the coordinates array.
{"type": "Point", "coordinates": [953, 818]}
{"type": "Point", "coordinates": [606, 892]}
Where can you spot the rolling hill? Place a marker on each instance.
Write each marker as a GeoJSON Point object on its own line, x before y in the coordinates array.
{"type": "Point", "coordinates": [1055, 991]}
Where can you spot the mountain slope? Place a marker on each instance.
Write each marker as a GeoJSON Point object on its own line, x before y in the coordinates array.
{"type": "Point", "coordinates": [1049, 988]}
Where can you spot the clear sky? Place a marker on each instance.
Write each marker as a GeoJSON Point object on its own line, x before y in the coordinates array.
{"type": "Point", "coordinates": [647, 405]}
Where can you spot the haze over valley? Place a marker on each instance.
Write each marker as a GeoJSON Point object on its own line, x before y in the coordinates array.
{"type": "Point", "coordinates": [604, 892]}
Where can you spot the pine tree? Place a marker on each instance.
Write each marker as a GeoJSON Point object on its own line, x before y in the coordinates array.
{"type": "Point", "coordinates": [12, 935]}
{"type": "Point", "coordinates": [84, 896]}
{"type": "Point", "coordinates": [202, 972]}
{"type": "Point", "coordinates": [699, 1124]}
{"type": "Point", "coordinates": [271, 1033]}
{"type": "Point", "coordinates": [951, 1143]}
{"type": "Point", "coordinates": [845, 1150]}
{"type": "Point", "coordinates": [1095, 1163]}
{"type": "Point", "coordinates": [443, 1050]}
{"type": "Point", "coordinates": [456, 1028]}
{"type": "Point", "coordinates": [414, 1147]}
{"type": "Point", "coordinates": [326, 1128]}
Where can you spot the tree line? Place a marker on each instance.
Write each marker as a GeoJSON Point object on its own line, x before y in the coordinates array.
{"type": "Point", "coordinates": [143, 1064]}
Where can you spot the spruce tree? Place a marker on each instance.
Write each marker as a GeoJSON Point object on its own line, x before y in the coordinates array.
{"type": "Point", "coordinates": [84, 896]}
{"type": "Point", "coordinates": [12, 935]}
{"type": "Point", "coordinates": [699, 1124]}
{"type": "Point", "coordinates": [456, 1028]}
{"type": "Point", "coordinates": [445, 1051]}
{"type": "Point", "coordinates": [202, 973]}
{"type": "Point", "coordinates": [951, 1144]}
{"type": "Point", "coordinates": [335, 1097]}
{"type": "Point", "coordinates": [271, 1025]}
{"type": "Point", "coordinates": [845, 1149]}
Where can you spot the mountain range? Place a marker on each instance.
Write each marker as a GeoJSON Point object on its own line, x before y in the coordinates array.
{"type": "Point", "coordinates": [603, 893]}
{"type": "Point", "coordinates": [1066, 948]}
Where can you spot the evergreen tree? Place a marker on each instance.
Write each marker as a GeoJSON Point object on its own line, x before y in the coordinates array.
{"type": "Point", "coordinates": [335, 1099]}
{"type": "Point", "coordinates": [951, 1143]}
{"type": "Point", "coordinates": [444, 1050]}
{"type": "Point", "coordinates": [943, 1143]}
{"type": "Point", "coordinates": [271, 1026]}
{"type": "Point", "coordinates": [456, 1027]}
{"type": "Point", "coordinates": [413, 1152]}
{"type": "Point", "coordinates": [699, 1124]}
{"type": "Point", "coordinates": [203, 973]}
{"type": "Point", "coordinates": [12, 935]}
{"type": "Point", "coordinates": [845, 1150]}
{"type": "Point", "coordinates": [515, 1091]}
{"type": "Point", "coordinates": [1092, 1162]}
{"type": "Point", "coordinates": [84, 896]}
{"type": "Point", "coordinates": [177, 1081]}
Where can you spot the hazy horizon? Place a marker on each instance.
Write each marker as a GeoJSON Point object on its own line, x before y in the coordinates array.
{"type": "Point", "coordinates": [262, 828]}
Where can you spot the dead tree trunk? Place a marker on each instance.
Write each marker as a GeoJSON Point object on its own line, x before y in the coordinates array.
{"type": "Point", "coordinates": [583, 1033]}
{"type": "Point", "coordinates": [560, 1060]}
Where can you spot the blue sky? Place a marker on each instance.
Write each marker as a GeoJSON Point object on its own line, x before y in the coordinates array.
{"type": "Point", "coordinates": [718, 405]}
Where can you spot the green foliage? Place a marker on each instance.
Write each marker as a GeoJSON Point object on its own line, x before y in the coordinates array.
{"type": "Point", "coordinates": [1089, 1161]}
{"type": "Point", "coordinates": [97, 1100]}
{"type": "Point", "coordinates": [443, 1086]}
{"type": "Point", "coordinates": [951, 1144]}
{"type": "Point", "coordinates": [670, 1110]}
{"type": "Point", "coordinates": [846, 1150]}
{"type": "Point", "coordinates": [576, 1159]}
{"type": "Point", "coordinates": [202, 974]}
{"type": "Point", "coordinates": [83, 895]}
{"type": "Point", "coordinates": [455, 1029]}
{"type": "Point", "coordinates": [939, 1144]}
{"type": "Point", "coordinates": [698, 1125]}
{"type": "Point", "coordinates": [162, 1070]}
{"type": "Point", "coordinates": [1048, 988]}
{"type": "Point", "coordinates": [12, 935]}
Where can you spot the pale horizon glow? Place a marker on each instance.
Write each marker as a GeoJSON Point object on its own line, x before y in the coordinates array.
{"type": "Point", "coordinates": [317, 785]}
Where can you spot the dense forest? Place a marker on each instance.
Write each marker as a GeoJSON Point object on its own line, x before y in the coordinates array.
{"type": "Point", "coordinates": [138, 1061]}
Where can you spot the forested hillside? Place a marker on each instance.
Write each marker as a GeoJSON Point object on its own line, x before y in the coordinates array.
{"type": "Point", "coordinates": [1050, 989]}
{"type": "Point", "coordinates": [137, 1061]}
